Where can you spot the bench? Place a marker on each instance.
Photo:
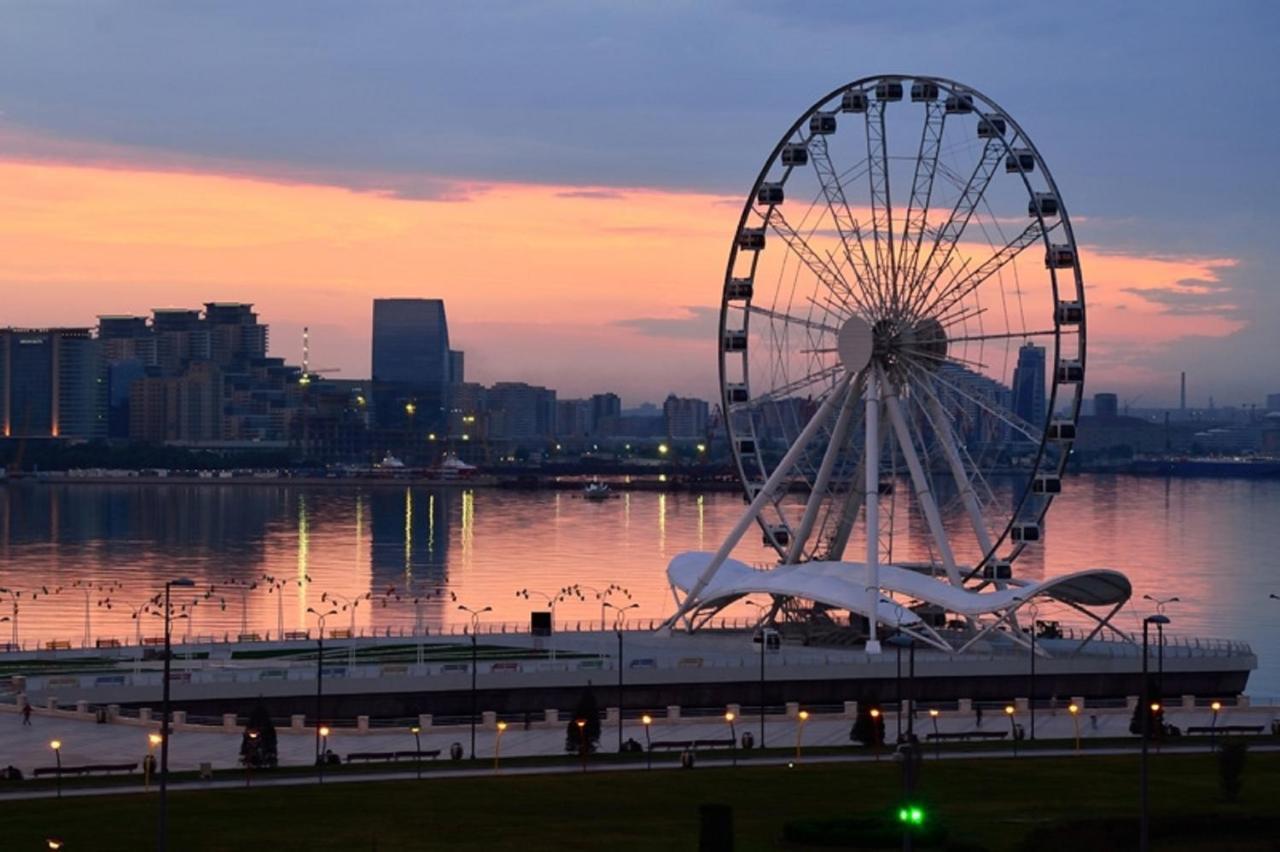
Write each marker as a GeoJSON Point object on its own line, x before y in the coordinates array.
{"type": "Point", "coordinates": [1225, 729]}
{"type": "Point", "coordinates": [968, 735]}
{"type": "Point", "coordinates": [690, 744]}
{"type": "Point", "coordinates": [84, 769]}
{"type": "Point", "coordinates": [389, 756]}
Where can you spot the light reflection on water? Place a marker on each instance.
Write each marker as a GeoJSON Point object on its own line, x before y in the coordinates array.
{"type": "Point", "coordinates": [1212, 542]}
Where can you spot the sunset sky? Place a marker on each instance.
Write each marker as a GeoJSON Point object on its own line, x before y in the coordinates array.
{"type": "Point", "coordinates": [568, 175]}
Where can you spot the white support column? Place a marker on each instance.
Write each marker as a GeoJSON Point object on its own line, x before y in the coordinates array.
{"type": "Point", "coordinates": [871, 501]}
{"type": "Point", "coordinates": [779, 475]}
{"type": "Point", "coordinates": [820, 482]}
{"type": "Point", "coordinates": [931, 515]}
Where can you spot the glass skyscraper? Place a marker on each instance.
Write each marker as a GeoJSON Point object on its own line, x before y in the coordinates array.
{"type": "Point", "coordinates": [411, 364]}
{"type": "Point", "coordinates": [51, 384]}
{"type": "Point", "coordinates": [1028, 385]}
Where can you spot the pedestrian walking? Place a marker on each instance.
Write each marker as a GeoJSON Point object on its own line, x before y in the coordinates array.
{"type": "Point", "coordinates": [26, 712]}
{"type": "Point", "coordinates": [977, 713]}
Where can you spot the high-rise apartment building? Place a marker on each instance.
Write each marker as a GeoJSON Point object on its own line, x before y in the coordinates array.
{"type": "Point", "coordinates": [1028, 385]}
{"type": "Point", "coordinates": [521, 412]}
{"type": "Point", "coordinates": [684, 417]}
{"type": "Point", "coordinates": [52, 384]}
{"type": "Point", "coordinates": [411, 364]}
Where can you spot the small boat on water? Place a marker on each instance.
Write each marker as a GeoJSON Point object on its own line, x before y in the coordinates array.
{"type": "Point", "coordinates": [596, 490]}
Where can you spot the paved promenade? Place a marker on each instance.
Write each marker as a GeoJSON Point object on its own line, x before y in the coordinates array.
{"type": "Point", "coordinates": [123, 741]}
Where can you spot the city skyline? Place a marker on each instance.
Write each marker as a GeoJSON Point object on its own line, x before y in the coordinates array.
{"type": "Point", "coordinates": [614, 248]}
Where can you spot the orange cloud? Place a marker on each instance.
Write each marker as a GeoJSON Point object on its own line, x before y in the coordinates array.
{"type": "Point", "coordinates": [529, 271]}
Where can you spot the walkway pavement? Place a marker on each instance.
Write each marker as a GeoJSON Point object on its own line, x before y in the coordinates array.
{"type": "Point", "coordinates": [84, 741]}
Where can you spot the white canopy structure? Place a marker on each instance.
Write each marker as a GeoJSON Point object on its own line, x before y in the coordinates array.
{"type": "Point", "coordinates": [843, 586]}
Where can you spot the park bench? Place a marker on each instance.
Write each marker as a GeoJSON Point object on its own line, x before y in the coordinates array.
{"type": "Point", "coordinates": [968, 735]}
{"type": "Point", "coordinates": [1225, 729]}
{"type": "Point", "coordinates": [84, 769]}
{"type": "Point", "coordinates": [57, 645]}
{"type": "Point", "coordinates": [107, 643]}
{"type": "Point", "coordinates": [690, 744]}
{"type": "Point", "coordinates": [297, 634]}
{"type": "Point", "coordinates": [417, 755]}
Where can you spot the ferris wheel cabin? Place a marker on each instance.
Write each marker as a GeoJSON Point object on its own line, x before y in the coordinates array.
{"type": "Point", "coordinates": [795, 155]}
{"type": "Point", "coordinates": [853, 101]}
{"type": "Point", "coordinates": [1020, 160]}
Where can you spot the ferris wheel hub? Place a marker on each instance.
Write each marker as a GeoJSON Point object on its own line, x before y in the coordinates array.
{"type": "Point", "coordinates": [855, 344]}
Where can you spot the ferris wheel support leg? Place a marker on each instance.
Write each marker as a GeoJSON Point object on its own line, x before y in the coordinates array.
{"type": "Point", "coordinates": [925, 495]}
{"type": "Point", "coordinates": [871, 500]}
{"type": "Point", "coordinates": [942, 428]}
{"type": "Point", "coordinates": [820, 482]}
{"type": "Point", "coordinates": [779, 475]}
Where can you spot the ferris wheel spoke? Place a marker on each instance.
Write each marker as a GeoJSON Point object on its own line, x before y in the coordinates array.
{"type": "Point", "coordinates": [917, 218]}
{"type": "Point", "coordinates": [863, 299]}
{"type": "Point", "coordinates": [881, 201]}
{"type": "Point", "coordinates": [827, 274]}
{"type": "Point", "coordinates": [907, 444]}
{"type": "Point", "coordinates": [948, 236]}
{"type": "Point", "coordinates": [789, 389]}
{"type": "Point", "coordinates": [961, 286]}
{"type": "Point", "coordinates": [1012, 335]}
{"type": "Point", "coordinates": [1011, 420]}
{"type": "Point", "coordinates": [941, 426]}
{"type": "Point", "coordinates": [818, 493]}
{"type": "Point", "coordinates": [855, 251]}
{"type": "Point", "coordinates": [787, 318]}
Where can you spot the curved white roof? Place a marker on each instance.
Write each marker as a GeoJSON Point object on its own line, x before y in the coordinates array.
{"type": "Point", "coordinates": [843, 585]}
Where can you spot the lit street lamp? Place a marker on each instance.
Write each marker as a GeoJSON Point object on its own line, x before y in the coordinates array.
{"type": "Point", "coordinates": [148, 766]}
{"type": "Point", "coordinates": [874, 713]}
{"type": "Point", "coordinates": [323, 732]}
{"type": "Point", "coordinates": [1216, 707]}
{"type": "Point", "coordinates": [1013, 728]}
{"type": "Point", "coordinates": [162, 827]}
{"type": "Point", "coordinates": [733, 735]}
{"type": "Point", "coordinates": [647, 720]}
{"type": "Point", "coordinates": [937, 740]}
{"type": "Point", "coordinates": [497, 746]}
{"type": "Point", "coordinates": [417, 745]}
{"type": "Point", "coordinates": [1144, 835]}
{"type": "Point", "coordinates": [56, 745]}
{"type": "Point", "coordinates": [801, 718]}
{"type": "Point", "coordinates": [1074, 710]}
{"type": "Point", "coordinates": [475, 625]}
{"type": "Point", "coordinates": [582, 741]}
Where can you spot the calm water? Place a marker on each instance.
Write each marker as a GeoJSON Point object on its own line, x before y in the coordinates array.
{"type": "Point", "coordinates": [1213, 543]}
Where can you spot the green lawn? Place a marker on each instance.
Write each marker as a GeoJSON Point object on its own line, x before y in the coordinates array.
{"type": "Point", "coordinates": [988, 803]}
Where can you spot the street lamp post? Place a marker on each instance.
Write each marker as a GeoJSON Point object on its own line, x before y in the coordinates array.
{"type": "Point", "coordinates": [1160, 603]}
{"type": "Point", "coordinates": [1074, 710]}
{"type": "Point", "coordinates": [618, 622]}
{"type": "Point", "coordinates": [162, 824]}
{"type": "Point", "coordinates": [417, 746]}
{"type": "Point", "coordinates": [801, 718]}
{"type": "Point", "coordinates": [148, 766]}
{"type": "Point", "coordinates": [937, 740]}
{"type": "Point", "coordinates": [647, 720]}
{"type": "Point", "coordinates": [1013, 729]}
{"type": "Point", "coordinates": [733, 735]}
{"type": "Point", "coordinates": [56, 745]}
{"type": "Point", "coordinates": [582, 741]}
{"type": "Point", "coordinates": [1213, 726]}
{"type": "Point", "coordinates": [1144, 835]}
{"type": "Point", "coordinates": [874, 713]}
{"type": "Point", "coordinates": [323, 731]}
{"type": "Point", "coordinates": [320, 619]}
{"type": "Point", "coordinates": [475, 625]}
{"type": "Point", "coordinates": [250, 756]}
{"type": "Point", "coordinates": [497, 745]}
{"type": "Point", "coordinates": [764, 617]}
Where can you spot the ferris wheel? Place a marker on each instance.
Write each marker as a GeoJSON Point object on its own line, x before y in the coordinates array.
{"type": "Point", "coordinates": [902, 337]}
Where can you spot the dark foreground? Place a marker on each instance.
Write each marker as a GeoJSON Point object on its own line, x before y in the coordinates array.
{"type": "Point", "coordinates": [995, 804]}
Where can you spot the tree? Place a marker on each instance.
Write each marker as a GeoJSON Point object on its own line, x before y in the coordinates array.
{"type": "Point", "coordinates": [1155, 720]}
{"type": "Point", "coordinates": [867, 729]}
{"type": "Point", "coordinates": [588, 710]}
{"type": "Point", "coordinates": [1231, 758]}
{"type": "Point", "coordinates": [258, 745]}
